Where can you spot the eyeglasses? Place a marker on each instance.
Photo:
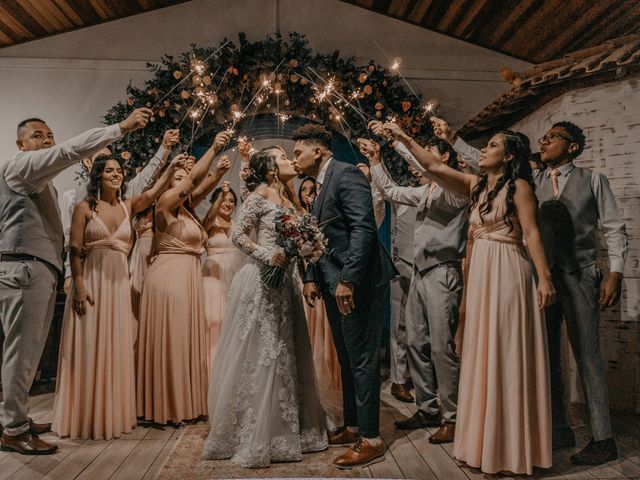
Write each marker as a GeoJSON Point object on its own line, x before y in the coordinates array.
{"type": "Point", "coordinates": [552, 138]}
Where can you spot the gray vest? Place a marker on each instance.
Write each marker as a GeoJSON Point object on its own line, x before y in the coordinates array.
{"type": "Point", "coordinates": [30, 224]}
{"type": "Point", "coordinates": [568, 224]}
{"type": "Point", "coordinates": [441, 233]}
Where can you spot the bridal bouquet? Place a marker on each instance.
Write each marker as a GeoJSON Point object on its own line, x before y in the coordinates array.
{"type": "Point", "coordinates": [299, 237]}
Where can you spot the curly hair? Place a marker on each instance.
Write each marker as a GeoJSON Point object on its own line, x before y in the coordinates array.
{"type": "Point", "coordinates": [314, 134]}
{"type": "Point", "coordinates": [95, 178]}
{"type": "Point", "coordinates": [576, 134]}
{"type": "Point", "coordinates": [517, 145]}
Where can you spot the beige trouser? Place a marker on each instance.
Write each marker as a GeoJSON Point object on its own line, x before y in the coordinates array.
{"type": "Point", "coordinates": [27, 299]}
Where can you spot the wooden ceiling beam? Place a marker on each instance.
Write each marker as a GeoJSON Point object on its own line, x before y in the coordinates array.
{"type": "Point", "coordinates": [23, 18]}
{"type": "Point", "coordinates": [55, 16]}
{"type": "Point", "coordinates": [596, 16]}
{"type": "Point", "coordinates": [510, 24]}
{"type": "Point", "coordinates": [399, 8]}
{"type": "Point", "coordinates": [475, 9]}
{"type": "Point", "coordinates": [446, 21]}
{"type": "Point", "coordinates": [536, 24]}
{"type": "Point", "coordinates": [418, 11]}
{"type": "Point", "coordinates": [85, 10]}
{"type": "Point", "coordinates": [66, 9]}
{"type": "Point", "coordinates": [47, 22]}
{"type": "Point", "coordinates": [19, 32]}
{"type": "Point", "coordinates": [433, 15]}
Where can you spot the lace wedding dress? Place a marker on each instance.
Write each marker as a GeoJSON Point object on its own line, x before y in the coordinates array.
{"type": "Point", "coordinates": [263, 400]}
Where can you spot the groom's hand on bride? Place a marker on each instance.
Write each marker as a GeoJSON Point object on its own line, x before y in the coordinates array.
{"type": "Point", "coordinates": [344, 297]}
{"type": "Point", "coordinates": [310, 292]}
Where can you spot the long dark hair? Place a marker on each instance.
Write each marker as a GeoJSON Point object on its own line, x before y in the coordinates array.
{"type": "Point", "coordinates": [305, 180]}
{"type": "Point", "coordinates": [218, 191]}
{"type": "Point", "coordinates": [260, 164]}
{"type": "Point", "coordinates": [517, 145]}
{"type": "Point", "coordinates": [95, 178]}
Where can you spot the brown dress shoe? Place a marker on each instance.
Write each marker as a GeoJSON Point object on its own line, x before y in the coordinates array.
{"type": "Point", "coordinates": [445, 434]}
{"type": "Point", "coordinates": [343, 436]}
{"type": "Point", "coordinates": [39, 428]}
{"type": "Point", "coordinates": [401, 393]}
{"type": "Point", "coordinates": [362, 454]}
{"type": "Point", "coordinates": [26, 443]}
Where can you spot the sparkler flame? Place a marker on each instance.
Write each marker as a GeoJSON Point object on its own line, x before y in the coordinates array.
{"type": "Point", "coordinates": [198, 66]}
{"type": "Point", "coordinates": [396, 64]}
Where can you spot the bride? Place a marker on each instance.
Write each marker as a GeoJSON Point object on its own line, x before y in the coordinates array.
{"type": "Point", "coordinates": [263, 401]}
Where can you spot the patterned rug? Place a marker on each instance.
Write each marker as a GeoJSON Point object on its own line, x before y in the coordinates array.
{"type": "Point", "coordinates": [185, 462]}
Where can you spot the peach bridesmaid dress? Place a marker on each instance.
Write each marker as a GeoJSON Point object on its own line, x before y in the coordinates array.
{"type": "Point", "coordinates": [139, 258]}
{"type": "Point", "coordinates": [325, 361]}
{"type": "Point", "coordinates": [172, 365]}
{"type": "Point", "coordinates": [95, 392]}
{"type": "Point", "coordinates": [504, 409]}
{"type": "Point", "coordinates": [223, 261]}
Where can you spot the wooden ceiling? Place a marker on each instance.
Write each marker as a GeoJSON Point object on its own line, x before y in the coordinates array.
{"type": "Point", "coordinates": [25, 20]}
{"type": "Point", "coordinates": [533, 30]}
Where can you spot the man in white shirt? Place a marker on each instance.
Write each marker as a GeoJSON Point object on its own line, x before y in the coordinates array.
{"type": "Point", "coordinates": [138, 184]}
{"type": "Point", "coordinates": [31, 246]}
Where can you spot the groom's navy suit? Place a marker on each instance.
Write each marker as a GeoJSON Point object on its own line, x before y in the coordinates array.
{"type": "Point", "coordinates": [344, 209]}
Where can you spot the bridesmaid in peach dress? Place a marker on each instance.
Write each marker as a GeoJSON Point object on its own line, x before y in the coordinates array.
{"type": "Point", "coordinates": [95, 392]}
{"type": "Point", "coordinates": [224, 259]}
{"type": "Point", "coordinates": [504, 407]}
{"type": "Point", "coordinates": [325, 358]}
{"type": "Point", "coordinates": [139, 258]}
{"type": "Point", "coordinates": [173, 351]}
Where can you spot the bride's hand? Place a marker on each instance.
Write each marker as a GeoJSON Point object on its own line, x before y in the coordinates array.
{"type": "Point", "coordinates": [280, 259]}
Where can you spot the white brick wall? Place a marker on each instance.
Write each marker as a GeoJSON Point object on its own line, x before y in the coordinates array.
{"type": "Point", "coordinates": [609, 114]}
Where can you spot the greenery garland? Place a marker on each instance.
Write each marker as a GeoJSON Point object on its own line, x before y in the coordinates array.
{"type": "Point", "coordinates": [227, 78]}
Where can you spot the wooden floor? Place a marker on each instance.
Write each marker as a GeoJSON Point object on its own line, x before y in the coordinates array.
{"type": "Point", "coordinates": [143, 453]}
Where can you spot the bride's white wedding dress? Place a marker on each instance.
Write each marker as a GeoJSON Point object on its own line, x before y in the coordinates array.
{"type": "Point", "coordinates": [263, 400]}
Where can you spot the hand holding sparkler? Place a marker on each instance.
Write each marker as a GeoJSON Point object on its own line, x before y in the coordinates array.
{"type": "Point", "coordinates": [395, 131]}
{"type": "Point", "coordinates": [222, 138]}
{"type": "Point", "coordinates": [223, 166]}
{"type": "Point", "coordinates": [442, 130]}
{"type": "Point", "coordinates": [244, 148]}
{"type": "Point", "coordinates": [171, 138]}
{"type": "Point", "coordinates": [377, 127]}
{"type": "Point", "coordinates": [179, 162]}
{"type": "Point", "coordinates": [189, 162]}
{"type": "Point", "coordinates": [370, 149]}
{"type": "Point", "coordinates": [136, 120]}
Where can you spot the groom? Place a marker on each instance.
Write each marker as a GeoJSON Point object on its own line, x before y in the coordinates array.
{"type": "Point", "coordinates": [352, 278]}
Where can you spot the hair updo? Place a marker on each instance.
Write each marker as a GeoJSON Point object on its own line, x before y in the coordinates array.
{"type": "Point", "coordinates": [260, 164]}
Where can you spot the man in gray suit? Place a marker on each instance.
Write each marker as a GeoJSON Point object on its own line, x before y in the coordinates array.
{"type": "Point", "coordinates": [435, 293]}
{"type": "Point", "coordinates": [352, 277]}
{"type": "Point", "coordinates": [31, 246]}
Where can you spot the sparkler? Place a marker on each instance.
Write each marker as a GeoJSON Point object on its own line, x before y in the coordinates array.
{"type": "Point", "coordinates": [193, 70]}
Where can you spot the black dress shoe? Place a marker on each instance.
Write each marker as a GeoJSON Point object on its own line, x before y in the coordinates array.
{"type": "Point", "coordinates": [418, 420]}
{"type": "Point", "coordinates": [596, 453]}
{"type": "Point", "coordinates": [563, 438]}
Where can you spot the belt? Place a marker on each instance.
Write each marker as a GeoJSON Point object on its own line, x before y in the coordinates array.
{"type": "Point", "coordinates": [19, 257]}
{"type": "Point", "coordinates": [22, 257]}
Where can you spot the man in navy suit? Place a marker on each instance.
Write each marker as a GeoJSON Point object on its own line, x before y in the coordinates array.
{"type": "Point", "coordinates": [352, 278]}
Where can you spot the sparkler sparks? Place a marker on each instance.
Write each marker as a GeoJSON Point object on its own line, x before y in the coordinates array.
{"type": "Point", "coordinates": [198, 66]}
